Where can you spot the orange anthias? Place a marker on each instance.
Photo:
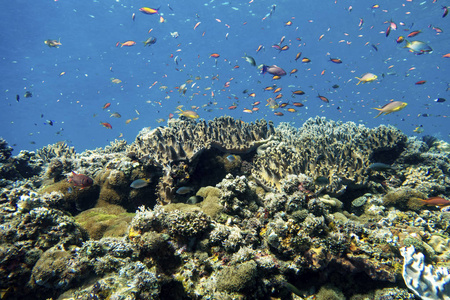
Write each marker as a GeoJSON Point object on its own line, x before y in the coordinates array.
{"type": "Point", "coordinates": [435, 201]}
{"type": "Point", "coordinates": [106, 125]}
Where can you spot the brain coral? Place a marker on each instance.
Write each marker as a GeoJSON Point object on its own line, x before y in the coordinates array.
{"type": "Point", "coordinates": [340, 151]}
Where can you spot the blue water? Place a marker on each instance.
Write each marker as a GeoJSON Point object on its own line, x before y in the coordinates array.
{"type": "Point", "coordinates": [89, 31]}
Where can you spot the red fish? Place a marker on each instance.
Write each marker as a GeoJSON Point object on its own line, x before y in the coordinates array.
{"type": "Point", "coordinates": [81, 180]}
{"type": "Point", "coordinates": [323, 98]}
{"type": "Point", "coordinates": [106, 105]}
{"type": "Point", "coordinates": [421, 82]}
{"type": "Point", "coordinates": [215, 55]}
{"type": "Point", "coordinates": [414, 33]}
{"type": "Point", "coordinates": [106, 125]}
{"type": "Point", "coordinates": [435, 201]}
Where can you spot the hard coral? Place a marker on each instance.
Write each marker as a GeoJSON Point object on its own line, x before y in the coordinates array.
{"type": "Point", "coordinates": [403, 198]}
{"type": "Point", "coordinates": [178, 146]}
{"type": "Point", "coordinates": [105, 221]}
{"type": "Point", "coordinates": [323, 147]}
{"type": "Point", "coordinates": [240, 278]}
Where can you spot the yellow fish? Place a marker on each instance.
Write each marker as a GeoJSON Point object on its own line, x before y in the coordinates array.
{"type": "Point", "coordinates": [391, 107]}
{"type": "Point", "coordinates": [190, 114]}
{"type": "Point", "coordinates": [367, 77]}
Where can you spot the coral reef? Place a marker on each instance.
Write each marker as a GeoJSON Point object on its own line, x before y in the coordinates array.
{"type": "Point", "coordinates": [340, 151]}
{"type": "Point", "coordinates": [177, 147]}
{"type": "Point", "coordinates": [58, 150]}
{"type": "Point", "coordinates": [229, 210]}
{"type": "Point", "coordinates": [5, 150]}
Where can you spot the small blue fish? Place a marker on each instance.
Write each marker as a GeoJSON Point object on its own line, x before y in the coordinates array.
{"type": "Point", "coordinates": [184, 190]}
{"type": "Point", "coordinates": [139, 183]}
{"type": "Point", "coordinates": [322, 181]}
{"type": "Point", "coordinates": [231, 158]}
{"type": "Point", "coordinates": [379, 166]}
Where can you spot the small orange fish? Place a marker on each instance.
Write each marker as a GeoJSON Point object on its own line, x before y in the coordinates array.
{"type": "Point", "coordinates": [215, 55]}
{"type": "Point", "coordinates": [298, 104]}
{"type": "Point", "coordinates": [336, 60]}
{"type": "Point", "coordinates": [298, 56]}
{"type": "Point", "coordinates": [278, 113]}
{"type": "Point", "coordinates": [306, 60]}
{"type": "Point", "coordinates": [421, 82]}
{"type": "Point", "coordinates": [232, 107]}
{"type": "Point", "coordinates": [284, 48]}
{"type": "Point", "coordinates": [323, 98]}
{"type": "Point", "coordinates": [106, 125]}
{"type": "Point", "coordinates": [106, 105]}
{"type": "Point", "coordinates": [256, 103]}
{"type": "Point", "coordinates": [288, 23]}
{"type": "Point", "coordinates": [435, 201]}
{"type": "Point", "coordinates": [196, 25]}
{"type": "Point", "coordinates": [446, 55]}
{"type": "Point", "coordinates": [260, 47]}
{"type": "Point", "coordinates": [414, 33]}
{"type": "Point", "coordinates": [279, 96]}
{"type": "Point", "coordinates": [248, 111]}
{"type": "Point", "coordinates": [269, 88]}
{"type": "Point", "coordinates": [277, 90]}
{"type": "Point", "coordinates": [293, 71]}
{"type": "Point", "coordinates": [253, 95]}
{"type": "Point", "coordinates": [298, 92]}
{"type": "Point", "coordinates": [276, 77]}
{"type": "Point", "coordinates": [128, 44]}
{"type": "Point", "coordinates": [148, 10]}
{"type": "Point", "coordinates": [284, 104]}
{"type": "Point", "coordinates": [291, 110]}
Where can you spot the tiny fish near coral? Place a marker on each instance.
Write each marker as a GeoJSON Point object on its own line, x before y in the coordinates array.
{"type": "Point", "coordinates": [81, 180]}
{"type": "Point", "coordinates": [435, 201]}
{"type": "Point", "coordinates": [379, 166]}
{"type": "Point", "coordinates": [139, 183]}
{"type": "Point", "coordinates": [184, 190]}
